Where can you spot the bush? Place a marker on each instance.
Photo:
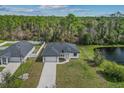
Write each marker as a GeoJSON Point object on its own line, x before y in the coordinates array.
{"type": "Point", "coordinates": [14, 81]}
{"type": "Point", "coordinates": [98, 58]}
{"type": "Point", "coordinates": [7, 82]}
{"type": "Point", "coordinates": [112, 71]}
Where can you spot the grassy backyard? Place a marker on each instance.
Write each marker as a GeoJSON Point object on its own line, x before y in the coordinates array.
{"type": "Point", "coordinates": [78, 73]}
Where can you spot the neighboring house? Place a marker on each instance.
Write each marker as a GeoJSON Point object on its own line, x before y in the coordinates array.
{"type": "Point", "coordinates": [17, 52]}
{"type": "Point", "coordinates": [53, 52]}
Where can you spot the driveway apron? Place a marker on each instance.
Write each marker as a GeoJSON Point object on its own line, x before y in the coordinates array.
{"type": "Point", "coordinates": [48, 76]}
{"type": "Point", "coordinates": [11, 68]}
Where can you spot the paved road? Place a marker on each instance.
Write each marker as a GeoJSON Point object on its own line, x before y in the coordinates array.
{"type": "Point", "coordinates": [48, 76]}
{"type": "Point", "coordinates": [11, 67]}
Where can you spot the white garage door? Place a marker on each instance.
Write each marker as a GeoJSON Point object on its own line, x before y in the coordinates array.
{"type": "Point", "coordinates": [50, 59]}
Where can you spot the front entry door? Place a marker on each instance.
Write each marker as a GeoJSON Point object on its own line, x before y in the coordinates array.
{"type": "Point", "coordinates": [4, 61]}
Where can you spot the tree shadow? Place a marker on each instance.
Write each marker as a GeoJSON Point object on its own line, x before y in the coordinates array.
{"type": "Point", "coordinates": [103, 76]}
{"type": "Point", "coordinates": [39, 57]}
{"type": "Point", "coordinates": [90, 62]}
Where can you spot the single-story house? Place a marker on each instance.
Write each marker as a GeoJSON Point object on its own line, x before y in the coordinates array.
{"type": "Point", "coordinates": [17, 52]}
{"type": "Point", "coordinates": [53, 52]}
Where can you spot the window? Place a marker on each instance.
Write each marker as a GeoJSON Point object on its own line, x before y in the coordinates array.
{"type": "Point", "coordinates": [62, 51]}
{"type": "Point", "coordinates": [75, 54]}
{"type": "Point", "coordinates": [62, 55]}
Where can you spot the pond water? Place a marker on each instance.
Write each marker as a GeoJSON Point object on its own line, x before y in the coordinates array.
{"type": "Point", "coordinates": [113, 53]}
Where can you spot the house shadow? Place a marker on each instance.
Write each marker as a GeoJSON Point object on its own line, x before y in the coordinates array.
{"type": "Point", "coordinates": [101, 74]}
{"type": "Point", "coordinates": [38, 59]}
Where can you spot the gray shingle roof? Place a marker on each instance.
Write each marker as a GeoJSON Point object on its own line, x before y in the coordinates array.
{"type": "Point", "coordinates": [18, 49]}
{"type": "Point", "coordinates": [54, 49]}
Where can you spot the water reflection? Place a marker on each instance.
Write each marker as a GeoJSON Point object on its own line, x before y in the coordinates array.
{"type": "Point", "coordinates": [113, 53]}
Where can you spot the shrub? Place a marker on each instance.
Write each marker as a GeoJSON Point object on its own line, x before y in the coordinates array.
{"type": "Point", "coordinates": [7, 80]}
{"type": "Point", "coordinates": [98, 58]}
{"type": "Point", "coordinates": [112, 71]}
{"type": "Point", "coordinates": [14, 81]}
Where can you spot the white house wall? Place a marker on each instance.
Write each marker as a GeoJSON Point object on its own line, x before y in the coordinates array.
{"type": "Point", "coordinates": [50, 59]}
{"type": "Point", "coordinates": [38, 52]}
{"type": "Point", "coordinates": [71, 55]}
{"type": "Point", "coordinates": [14, 59]}
{"type": "Point", "coordinates": [65, 55]}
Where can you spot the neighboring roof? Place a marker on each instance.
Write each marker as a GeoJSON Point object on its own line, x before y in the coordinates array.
{"type": "Point", "coordinates": [18, 49]}
{"type": "Point", "coordinates": [54, 49]}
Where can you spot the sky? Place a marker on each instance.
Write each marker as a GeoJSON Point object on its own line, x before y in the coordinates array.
{"type": "Point", "coordinates": [60, 10]}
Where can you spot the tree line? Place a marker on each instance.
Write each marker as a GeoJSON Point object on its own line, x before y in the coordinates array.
{"type": "Point", "coordinates": [70, 28]}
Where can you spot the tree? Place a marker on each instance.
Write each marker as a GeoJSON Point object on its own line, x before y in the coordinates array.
{"type": "Point", "coordinates": [70, 28]}
{"type": "Point", "coordinates": [6, 80]}
{"type": "Point", "coordinates": [98, 58]}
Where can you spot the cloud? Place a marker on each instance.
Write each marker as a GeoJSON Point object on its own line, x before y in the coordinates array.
{"type": "Point", "coordinates": [44, 10]}
{"type": "Point", "coordinates": [15, 9]}
{"type": "Point", "coordinates": [75, 10]}
{"type": "Point", "coordinates": [22, 10]}
{"type": "Point", "coordinates": [52, 6]}
{"type": "Point", "coordinates": [3, 8]}
{"type": "Point", "coordinates": [63, 8]}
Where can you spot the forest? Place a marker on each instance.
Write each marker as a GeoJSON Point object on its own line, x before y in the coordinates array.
{"type": "Point", "coordinates": [70, 28]}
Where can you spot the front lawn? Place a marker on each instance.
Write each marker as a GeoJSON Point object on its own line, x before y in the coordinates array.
{"type": "Point", "coordinates": [33, 68]}
{"type": "Point", "coordinates": [1, 68]}
{"type": "Point", "coordinates": [34, 75]}
{"type": "Point", "coordinates": [1, 41]}
{"type": "Point", "coordinates": [8, 44]}
{"type": "Point", "coordinates": [78, 73]}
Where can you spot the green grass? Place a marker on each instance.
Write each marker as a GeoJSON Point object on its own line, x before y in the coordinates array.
{"type": "Point", "coordinates": [1, 68]}
{"type": "Point", "coordinates": [78, 73]}
{"type": "Point", "coordinates": [33, 68]}
{"type": "Point", "coordinates": [36, 48]}
{"type": "Point", "coordinates": [34, 76]}
{"type": "Point", "coordinates": [23, 68]}
{"type": "Point", "coordinates": [8, 44]}
{"type": "Point", "coordinates": [1, 41]}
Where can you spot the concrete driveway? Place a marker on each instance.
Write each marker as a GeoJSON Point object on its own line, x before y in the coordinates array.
{"type": "Point", "coordinates": [11, 67]}
{"type": "Point", "coordinates": [48, 76]}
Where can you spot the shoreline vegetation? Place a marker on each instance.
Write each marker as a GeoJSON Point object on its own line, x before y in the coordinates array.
{"type": "Point", "coordinates": [81, 73]}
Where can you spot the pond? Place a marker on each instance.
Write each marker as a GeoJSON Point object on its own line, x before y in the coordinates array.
{"type": "Point", "coordinates": [113, 53]}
